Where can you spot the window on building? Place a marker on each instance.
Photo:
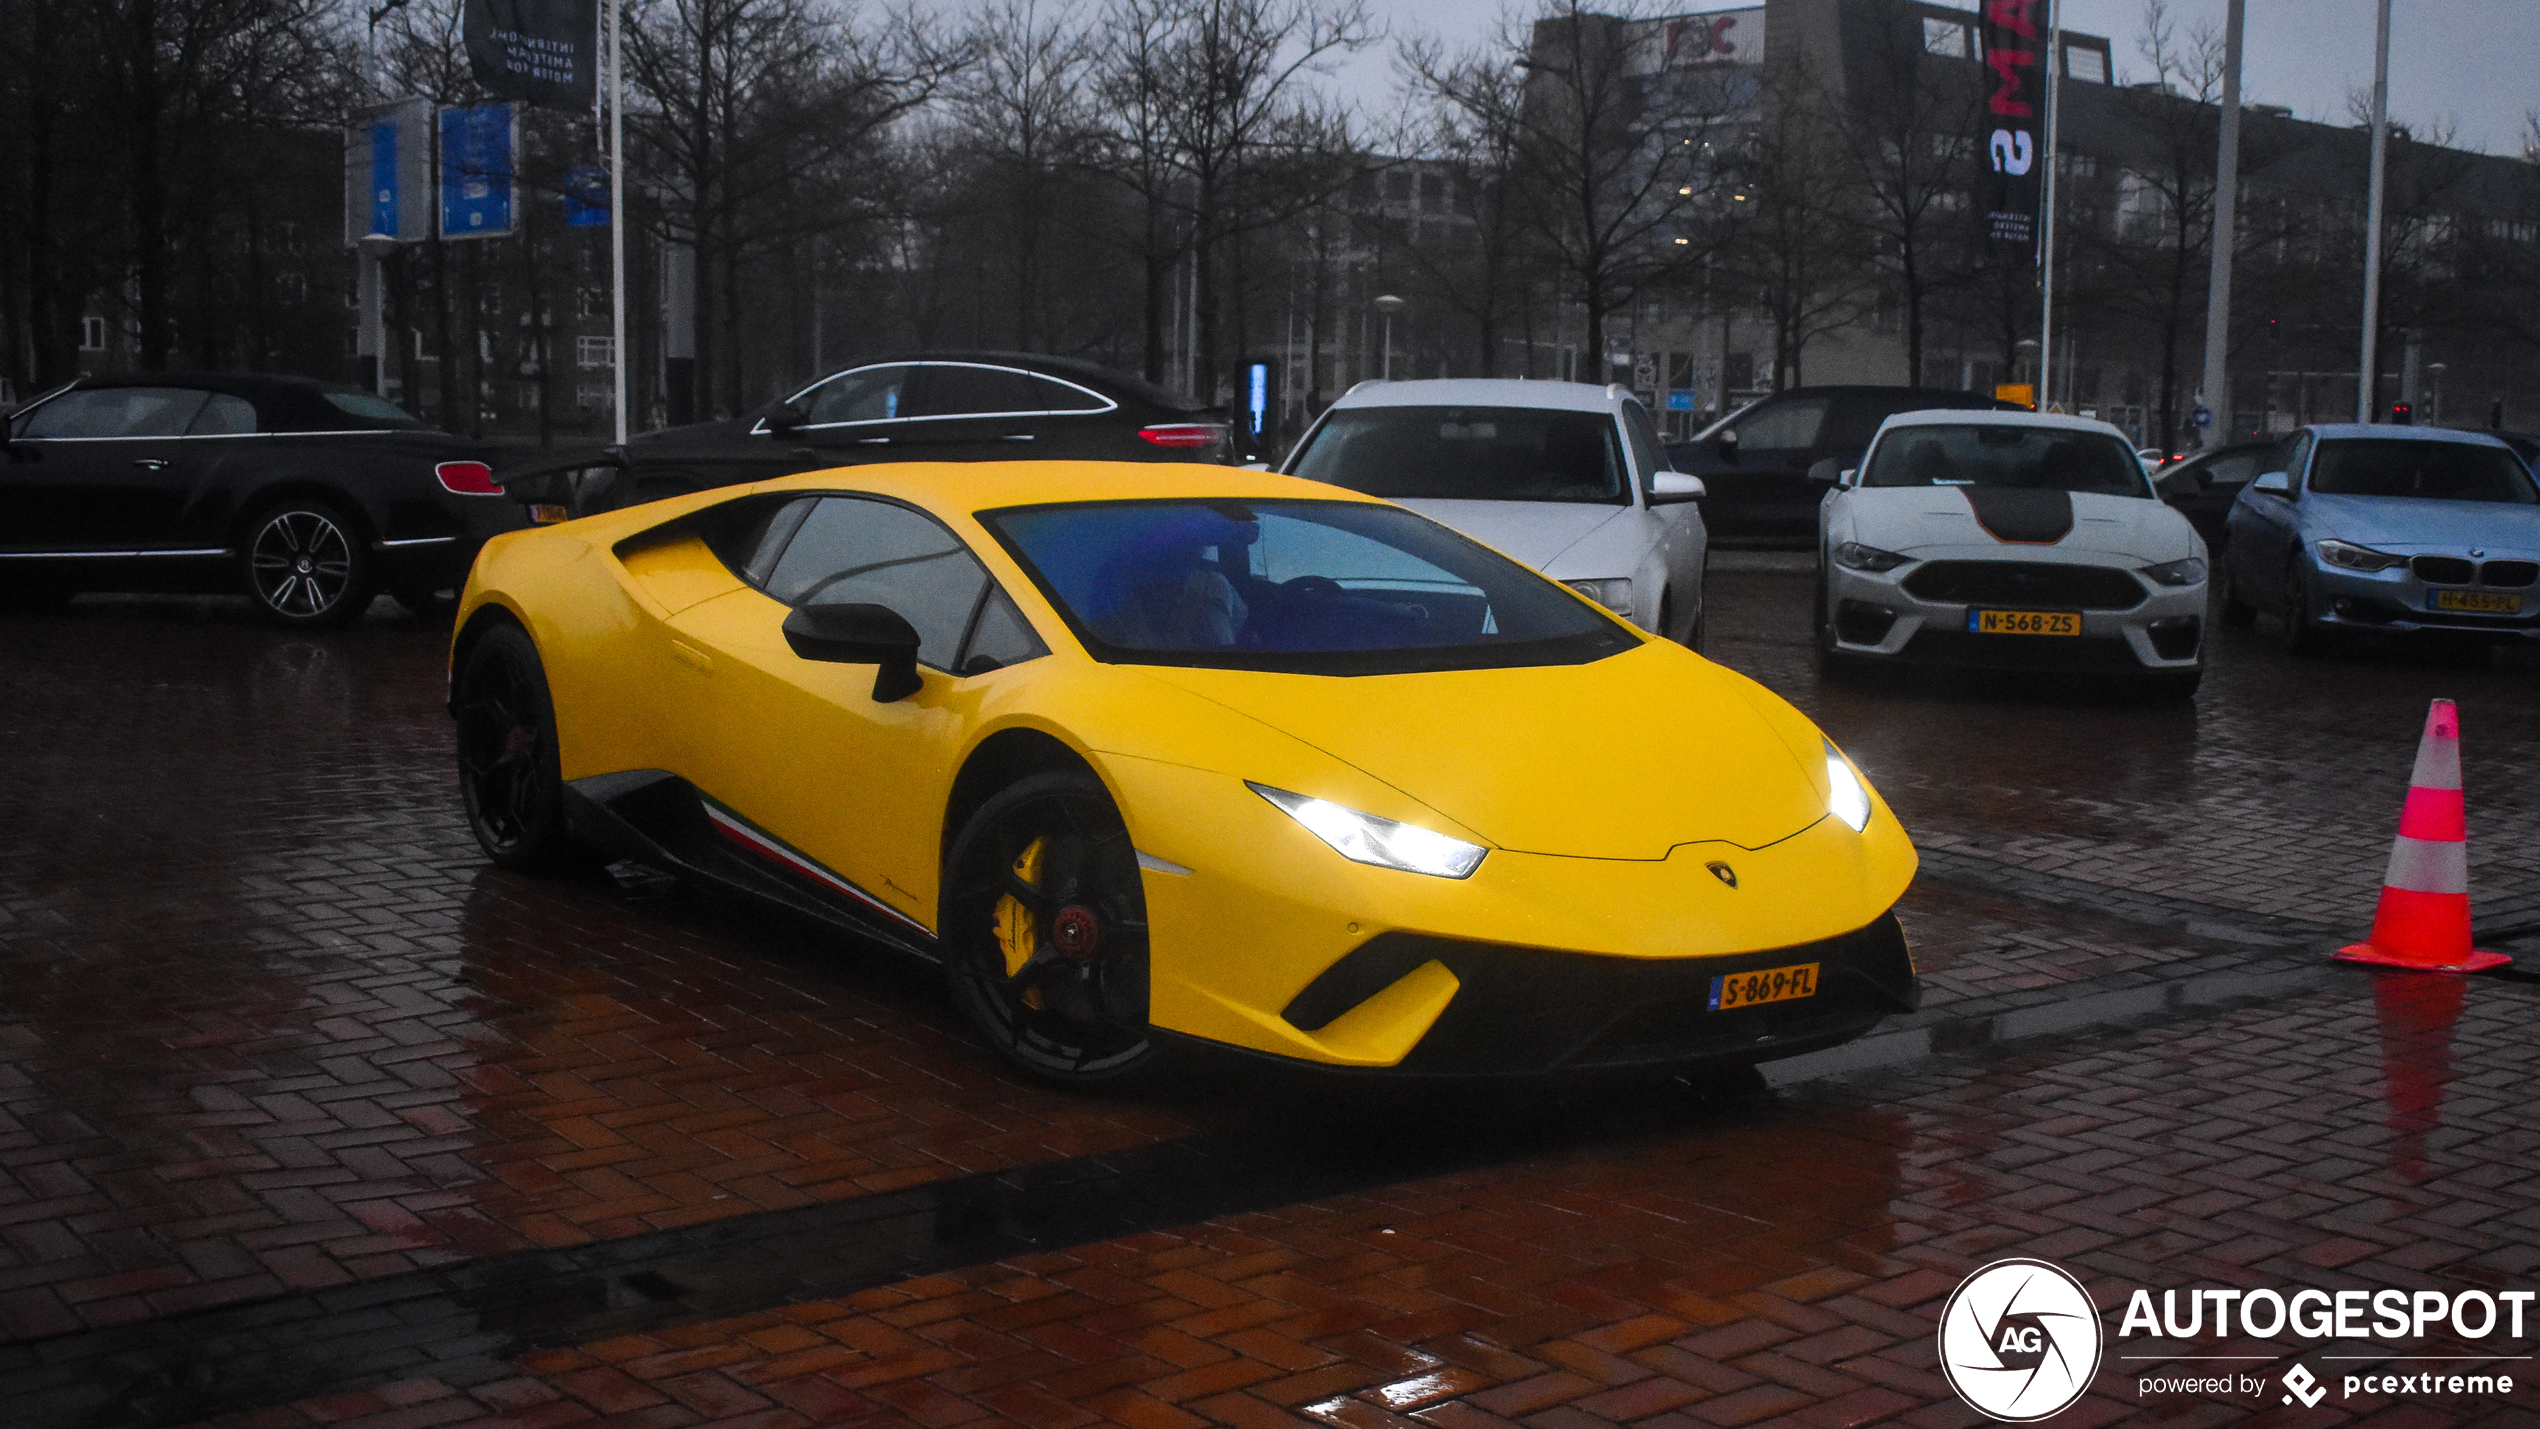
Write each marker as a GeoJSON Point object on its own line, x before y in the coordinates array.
{"type": "Point", "coordinates": [92, 334]}
{"type": "Point", "coordinates": [1949, 37]}
{"type": "Point", "coordinates": [595, 351]}
{"type": "Point", "coordinates": [594, 396]}
{"type": "Point", "coordinates": [1398, 186]}
{"type": "Point", "coordinates": [592, 302]}
{"type": "Point", "coordinates": [2090, 64]}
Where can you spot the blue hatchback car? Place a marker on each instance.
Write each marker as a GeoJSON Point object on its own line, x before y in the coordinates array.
{"type": "Point", "coordinates": [2412, 530]}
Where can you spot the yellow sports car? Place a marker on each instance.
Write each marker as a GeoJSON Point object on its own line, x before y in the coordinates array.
{"type": "Point", "coordinates": [1152, 755]}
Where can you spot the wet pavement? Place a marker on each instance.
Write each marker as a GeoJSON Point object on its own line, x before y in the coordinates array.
{"type": "Point", "coordinates": [308, 1116]}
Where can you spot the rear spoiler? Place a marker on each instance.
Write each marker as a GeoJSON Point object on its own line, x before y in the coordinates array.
{"type": "Point", "coordinates": [564, 486]}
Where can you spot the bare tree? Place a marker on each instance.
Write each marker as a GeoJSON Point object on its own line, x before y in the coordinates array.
{"type": "Point", "coordinates": [1799, 242]}
{"type": "Point", "coordinates": [1024, 125]}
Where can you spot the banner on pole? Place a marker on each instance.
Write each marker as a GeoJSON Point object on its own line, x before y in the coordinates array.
{"type": "Point", "coordinates": [536, 51]}
{"type": "Point", "coordinates": [586, 197]}
{"type": "Point", "coordinates": [2013, 125]}
{"type": "Point", "coordinates": [478, 191]}
{"type": "Point", "coordinates": [388, 172]}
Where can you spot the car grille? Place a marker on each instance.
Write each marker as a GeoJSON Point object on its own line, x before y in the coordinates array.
{"type": "Point", "coordinates": [2510, 575]}
{"type": "Point", "coordinates": [2443, 570]}
{"type": "Point", "coordinates": [2025, 583]}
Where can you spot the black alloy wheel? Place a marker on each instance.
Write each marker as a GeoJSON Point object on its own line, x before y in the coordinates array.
{"type": "Point", "coordinates": [509, 779]}
{"type": "Point", "coordinates": [308, 565]}
{"type": "Point", "coordinates": [1045, 931]}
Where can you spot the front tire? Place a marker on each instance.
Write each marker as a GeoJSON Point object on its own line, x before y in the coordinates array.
{"type": "Point", "coordinates": [1045, 932]}
{"type": "Point", "coordinates": [510, 780]}
{"type": "Point", "coordinates": [308, 565]}
{"type": "Point", "coordinates": [2301, 636]}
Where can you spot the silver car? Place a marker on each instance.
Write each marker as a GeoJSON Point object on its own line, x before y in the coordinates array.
{"type": "Point", "coordinates": [2415, 531]}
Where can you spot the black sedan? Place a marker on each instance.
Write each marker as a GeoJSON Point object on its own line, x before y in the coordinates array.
{"type": "Point", "coordinates": [1755, 461]}
{"type": "Point", "coordinates": [952, 406]}
{"type": "Point", "coordinates": [311, 498]}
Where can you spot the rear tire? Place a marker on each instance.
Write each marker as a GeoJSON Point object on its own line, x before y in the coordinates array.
{"type": "Point", "coordinates": [308, 564]}
{"type": "Point", "coordinates": [1044, 932]}
{"type": "Point", "coordinates": [510, 781]}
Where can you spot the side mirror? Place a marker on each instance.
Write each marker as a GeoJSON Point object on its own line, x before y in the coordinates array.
{"type": "Point", "coordinates": [1674, 488]}
{"type": "Point", "coordinates": [1827, 472]}
{"type": "Point", "coordinates": [860, 635]}
{"type": "Point", "coordinates": [2275, 483]}
{"type": "Point", "coordinates": [1726, 442]}
{"type": "Point", "coordinates": [787, 417]}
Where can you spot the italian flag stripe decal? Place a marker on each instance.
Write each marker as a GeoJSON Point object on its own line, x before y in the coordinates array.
{"type": "Point", "coordinates": [732, 826]}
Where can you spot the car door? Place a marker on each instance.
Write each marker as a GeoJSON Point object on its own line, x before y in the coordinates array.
{"type": "Point", "coordinates": [860, 415]}
{"type": "Point", "coordinates": [2218, 480]}
{"type": "Point", "coordinates": [2263, 526]}
{"type": "Point", "coordinates": [800, 748]}
{"type": "Point", "coordinates": [99, 469]}
{"type": "Point", "coordinates": [971, 411]}
{"type": "Point", "coordinates": [1678, 524]}
{"type": "Point", "coordinates": [1075, 423]}
{"type": "Point", "coordinates": [1763, 485]}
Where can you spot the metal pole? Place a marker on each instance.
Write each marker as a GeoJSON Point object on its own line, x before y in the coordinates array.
{"type": "Point", "coordinates": [2368, 374]}
{"type": "Point", "coordinates": [617, 218]}
{"type": "Point", "coordinates": [2046, 255]}
{"type": "Point", "coordinates": [2226, 239]}
{"type": "Point", "coordinates": [1388, 347]}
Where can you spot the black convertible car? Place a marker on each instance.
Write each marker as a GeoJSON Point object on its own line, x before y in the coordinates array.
{"type": "Point", "coordinates": [311, 498]}
{"type": "Point", "coordinates": [942, 406]}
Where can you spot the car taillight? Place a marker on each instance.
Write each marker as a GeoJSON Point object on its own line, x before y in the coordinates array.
{"type": "Point", "coordinates": [1183, 434]}
{"type": "Point", "coordinates": [467, 478]}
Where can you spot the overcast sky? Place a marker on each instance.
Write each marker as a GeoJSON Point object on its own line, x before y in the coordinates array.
{"type": "Point", "coordinates": [2475, 63]}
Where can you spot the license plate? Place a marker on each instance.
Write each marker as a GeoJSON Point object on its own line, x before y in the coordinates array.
{"type": "Point", "coordinates": [2024, 622]}
{"type": "Point", "coordinates": [2477, 602]}
{"type": "Point", "coordinates": [1765, 985]}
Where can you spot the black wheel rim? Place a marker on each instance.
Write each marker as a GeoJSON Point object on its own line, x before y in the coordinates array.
{"type": "Point", "coordinates": [1019, 909]}
{"type": "Point", "coordinates": [301, 564]}
{"type": "Point", "coordinates": [502, 750]}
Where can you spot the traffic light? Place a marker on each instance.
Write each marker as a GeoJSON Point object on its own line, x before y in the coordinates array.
{"type": "Point", "coordinates": [2402, 415]}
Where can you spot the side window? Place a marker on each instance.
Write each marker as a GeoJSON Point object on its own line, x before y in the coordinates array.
{"type": "Point", "coordinates": [854, 551]}
{"type": "Point", "coordinates": [869, 394]}
{"type": "Point", "coordinates": [951, 389]}
{"type": "Point", "coordinates": [116, 412]}
{"type": "Point", "coordinates": [1854, 420]}
{"type": "Point", "coordinates": [2234, 471]}
{"type": "Point", "coordinates": [1649, 457]}
{"type": "Point", "coordinates": [999, 637]}
{"type": "Point", "coordinates": [224, 416]}
{"type": "Point", "coordinates": [1051, 395]}
{"type": "Point", "coordinates": [1783, 426]}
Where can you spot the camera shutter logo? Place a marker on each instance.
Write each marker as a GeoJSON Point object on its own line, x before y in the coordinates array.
{"type": "Point", "coordinates": [2019, 1340]}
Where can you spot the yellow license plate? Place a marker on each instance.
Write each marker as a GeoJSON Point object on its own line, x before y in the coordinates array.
{"type": "Point", "coordinates": [2479, 602]}
{"type": "Point", "coordinates": [2024, 622]}
{"type": "Point", "coordinates": [1765, 985]}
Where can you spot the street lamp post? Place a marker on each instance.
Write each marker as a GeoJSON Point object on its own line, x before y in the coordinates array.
{"type": "Point", "coordinates": [1389, 305]}
{"type": "Point", "coordinates": [2368, 372]}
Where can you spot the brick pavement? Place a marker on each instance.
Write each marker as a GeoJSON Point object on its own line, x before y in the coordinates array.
{"type": "Point", "coordinates": [1710, 1272]}
{"type": "Point", "coordinates": [271, 1024]}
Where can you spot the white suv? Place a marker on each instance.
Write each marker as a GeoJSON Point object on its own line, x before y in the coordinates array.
{"type": "Point", "coordinates": [1567, 478]}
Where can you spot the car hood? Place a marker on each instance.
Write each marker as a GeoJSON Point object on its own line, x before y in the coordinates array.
{"type": "Point", "coordinates": [1925, 520]}
{"type": "Point", "coordinates": [2406, 525]}
{"type": "Point", "coordinates": [1532, 532]}
{"type": "Point", "coordinates": [1623, 758]}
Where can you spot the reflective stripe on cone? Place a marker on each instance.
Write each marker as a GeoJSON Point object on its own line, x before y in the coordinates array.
{"type": "Point", "coordinates": [2422, 921]}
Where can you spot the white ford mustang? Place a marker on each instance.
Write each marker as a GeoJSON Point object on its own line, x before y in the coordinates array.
{"type": "Point", "coordinates": [1567, 478]}
{"type": "Point", "coordinates": [2008, 539]}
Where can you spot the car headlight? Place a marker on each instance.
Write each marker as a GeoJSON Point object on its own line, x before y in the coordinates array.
{"type": "Point", "coordinates": [1614, 595]}
{"type": "Point", "coordinates": [1853, 556]}
{"type": "Point", "coordinates": [2186, 572]}
{"type": "Point", "coordinates": [1364, 838]}
{"type": "Point", "coordinates": [1849, 799]}
{"type": "Point", "coordinates": [2346, 555]}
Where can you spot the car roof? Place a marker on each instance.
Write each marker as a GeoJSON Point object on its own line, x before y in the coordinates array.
{"type": "Point", "coordinates": [2368, 431]}
{"type": "Point", "coordinates": [283, 403]}
{"type": "Point", "coordinates": [1076, 369]}
{"type": "Point", "coordinates": [1485, 392]}
{"type": "Point", "coordinates": [1951, 417]}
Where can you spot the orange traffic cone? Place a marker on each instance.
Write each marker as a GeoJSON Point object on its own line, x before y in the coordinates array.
{"type": "Point", "coordinates": [2423, 920]}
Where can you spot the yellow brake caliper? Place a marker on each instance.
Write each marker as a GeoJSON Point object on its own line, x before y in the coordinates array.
{"type": "Point", "coordinates": [1018, 931]}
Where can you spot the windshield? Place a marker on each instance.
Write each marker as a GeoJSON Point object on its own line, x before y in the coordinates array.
{"type": "Point", "coordinates": [370, 408]}
{"type": "Point", "coordinates": [1308, 587]}
{"type": "Point", "coordinates": [2440, 471]}
{"type": "Point", "coordinates": [1469, 454]}
{"type": "Point", "coordinates": [1981, 454]}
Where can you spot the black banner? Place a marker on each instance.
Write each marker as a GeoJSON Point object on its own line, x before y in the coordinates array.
{"type": "Point", "coordinates": [2013, 119]}
{"type": "Point", "coordinates": [542, 52]}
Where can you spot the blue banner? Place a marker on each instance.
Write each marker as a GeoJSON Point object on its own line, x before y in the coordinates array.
{"type": "Point", "coordinates": [477, 191]}
{"type": "Point", "coordinates": [383, 177]}
{"type": "Point", "coordinates": [586, 197]}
